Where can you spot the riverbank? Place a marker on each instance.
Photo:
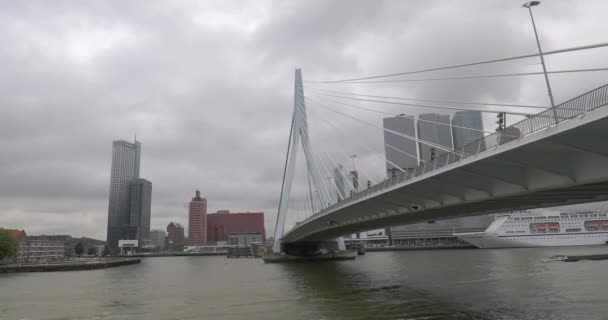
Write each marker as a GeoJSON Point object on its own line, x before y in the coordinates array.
{"type": "Point", "coordinates": [68, 265]}
{"type": "Point", "coordinates": [175, 254]}
{"type": "Point", "coordinates": [420, 248]}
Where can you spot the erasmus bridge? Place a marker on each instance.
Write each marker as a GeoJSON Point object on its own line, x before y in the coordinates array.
{"type": "Point", "coordinates": [552, 155]}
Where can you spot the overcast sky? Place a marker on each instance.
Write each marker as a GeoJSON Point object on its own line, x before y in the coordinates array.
{"type": "Point", "coordinates": [207, 86]}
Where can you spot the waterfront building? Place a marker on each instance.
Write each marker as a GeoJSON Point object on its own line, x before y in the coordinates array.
{"type": "Point", "coordinates": [141, 202]}
{"type": "Point", "coordinates": [467, 119]}
{"type": "Point", "coordinates": [245, 238]}
{"type": "Point", "coordinates": [158, 238]}
{"type": "Point", "coordinates": [221, 225]}
{"type": "Point", "coordinates": [37, 249]}
{"type": "Point", "coordinates": [130, 196]}
{"type": "Point", "coordinates": [197, 220]}
{"type": "Point", "coordinates": [436, 129]}
{"type": "Point", "coordinates": [400, 151]}
{"type": "Point", "coordinates": [41, 249]}
{"type": "Point", "coordinates": [175, 233]}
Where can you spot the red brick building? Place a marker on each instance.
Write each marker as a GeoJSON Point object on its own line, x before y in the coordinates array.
{"type": "Point", "coordinates": [197, 220]}
{"type": "Point", "coordinates": [222, 224]}
{"type": "Point", "coordinates": [175, 233]}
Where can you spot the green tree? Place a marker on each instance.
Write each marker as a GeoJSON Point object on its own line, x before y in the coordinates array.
{"type": "Point", "coordinates": [106, 252]}
{"type": "Point", "coordinates": [8, 245]}
{"type": "Point", "coordinates": [79, 249]}
{"type": "Point", "coordinates": [92, 251]}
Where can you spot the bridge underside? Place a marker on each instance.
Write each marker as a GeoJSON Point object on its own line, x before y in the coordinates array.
{"type": "Point", "coordinates": [561, 165]}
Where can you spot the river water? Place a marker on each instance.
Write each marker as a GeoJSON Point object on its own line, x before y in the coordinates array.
{"type": "Point", "coordinates": [441, 284]}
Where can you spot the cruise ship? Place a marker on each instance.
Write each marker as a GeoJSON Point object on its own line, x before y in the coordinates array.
{"type": "Point", "coordinates": [541, 229]}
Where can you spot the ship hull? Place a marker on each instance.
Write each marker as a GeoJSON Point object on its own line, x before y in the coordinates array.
{"type": "Point", "coordinates": [486, 241]}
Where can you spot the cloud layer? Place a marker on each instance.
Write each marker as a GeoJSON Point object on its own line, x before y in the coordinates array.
{"type": "Point", "coordinates": [208, 88]}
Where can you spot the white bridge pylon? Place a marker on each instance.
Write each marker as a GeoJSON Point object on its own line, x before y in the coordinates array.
{"type": "Point", "coordinates": [298, 134]}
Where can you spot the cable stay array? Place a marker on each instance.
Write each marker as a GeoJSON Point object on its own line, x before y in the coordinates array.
{"type": "Point", "coordinates": [519, 113]}
{"type": "Point", "coordinates": [570, 49]}
{"type": "Point", "coordinates": [483, 76]}
{"type": "Point", "coordinates": [427, 100]}
{"type": "Point", "coordinates": [345, 125]}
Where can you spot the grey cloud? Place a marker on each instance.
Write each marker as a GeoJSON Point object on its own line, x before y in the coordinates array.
{"type": "Point", "coordinates": [207, 87]}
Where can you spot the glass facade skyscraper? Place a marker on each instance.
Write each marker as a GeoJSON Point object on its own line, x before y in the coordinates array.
{"type": "Point", "coordinates": [434, 128]}
{"type": "Point", "coordinates": [130, 196]}
{"type": "Point", "coordinates": [400, 151]}
{"type": "Point", "coordinates": [466, 119]}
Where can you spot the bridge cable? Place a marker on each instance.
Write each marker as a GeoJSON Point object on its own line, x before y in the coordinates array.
{"type": "Point", "coordinates": [503, 75]}
{"type": "Point", "coordinates": [423, 105]}
{"type": "Point", "coordinates": [571, 49]}
{"type": "Point", "coordinates": [431, 144]}
{"type": "Point", "coordinates": [363, 146]}
{"type": "Point", "coordinates": [328, 172]}
{"type": "Point", "coordinates": [428, 100]}
{"type": "Point", "coordinates": [386, 160]}
{"type": "Point", "coordinates": [327, 165]}
{"type": "Point", "coordinates": [363, 172]}
{"type": "Point", "coordinates": [393, 115]}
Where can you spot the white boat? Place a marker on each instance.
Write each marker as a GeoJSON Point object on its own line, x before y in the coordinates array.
{"type": "Point", "coordinates": [541, 229]}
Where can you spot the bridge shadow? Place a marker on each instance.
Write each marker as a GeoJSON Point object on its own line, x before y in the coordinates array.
{"type": "Point", "coordinates": [344, 290]}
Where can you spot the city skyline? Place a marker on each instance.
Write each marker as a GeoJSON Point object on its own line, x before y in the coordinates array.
{"type": "Point", "coordinates": [87, 74]}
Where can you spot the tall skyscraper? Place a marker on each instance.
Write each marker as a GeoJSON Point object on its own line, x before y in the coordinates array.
{"type": "Point", "coordinates": [130, 196]}
{"type": "Point", "coordinates": [466, 119]}
{"type": "Point", "coordinates": [197, 220]}
{"type": "Point", "coordinates": [435, 128]}
{"type": "Point", "coordinates": [399, 150]}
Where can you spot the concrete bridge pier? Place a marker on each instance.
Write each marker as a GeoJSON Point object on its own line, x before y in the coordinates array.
{"type": "Point", "coordinates": [311, 248]}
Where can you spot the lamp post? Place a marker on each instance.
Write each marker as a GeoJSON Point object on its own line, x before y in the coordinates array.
{"type": "Point", "coordinates": [529, 5]}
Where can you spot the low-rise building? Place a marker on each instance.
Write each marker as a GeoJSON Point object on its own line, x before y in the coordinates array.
{"type": "Point", "coordinates": [157, 239]}
{"type": "Point", "coordinates": [175, 233]}
{"type": "Point", "coordinates": [36, 249]}
{"type": "Point", "coordinates": [222, 224]}
{"type": "Point", "coordinates": [245, 239]}
{"type": "Point", "coordinates": [40, 249]}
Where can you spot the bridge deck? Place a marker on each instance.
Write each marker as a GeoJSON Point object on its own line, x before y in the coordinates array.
{"type": "Point", "coordinates": [547, 165]}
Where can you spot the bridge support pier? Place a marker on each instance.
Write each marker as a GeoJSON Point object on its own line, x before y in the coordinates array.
{"type": "Point", "coordinates": [313, 248]}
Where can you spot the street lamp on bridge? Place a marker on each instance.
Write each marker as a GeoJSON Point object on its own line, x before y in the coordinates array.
{"type": "Point", "coordinates": [529, 5]}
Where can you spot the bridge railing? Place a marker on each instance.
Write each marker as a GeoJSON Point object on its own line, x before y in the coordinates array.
{"type": "Point", "coordinates": [567, 110]}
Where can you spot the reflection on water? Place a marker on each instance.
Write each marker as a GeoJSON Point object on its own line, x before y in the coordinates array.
{"type": "Point", "coordinates": [448, 284]}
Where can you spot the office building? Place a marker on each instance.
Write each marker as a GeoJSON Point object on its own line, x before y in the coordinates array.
{"type": "Point", "coordinates": [220, 226]}
{"type": "Point", "coordinates": [175, 233]}
{"type": "Point", "coordinates": [37, 249]}
{"type": "Point", "coordinates": [157, 239]}
{"type": "Point", "coordinates": [130, 197]}
{"type": "Point", "coordinates": [400, 151]}
{"type": "Point", "coordinates": [435, 129]}
{"type": "Point", "coordinates": [141, 202]}
{"type": "Point", "coordinates": [467, 119]}
{"type": "Point", "coordinates": [197, 220]}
